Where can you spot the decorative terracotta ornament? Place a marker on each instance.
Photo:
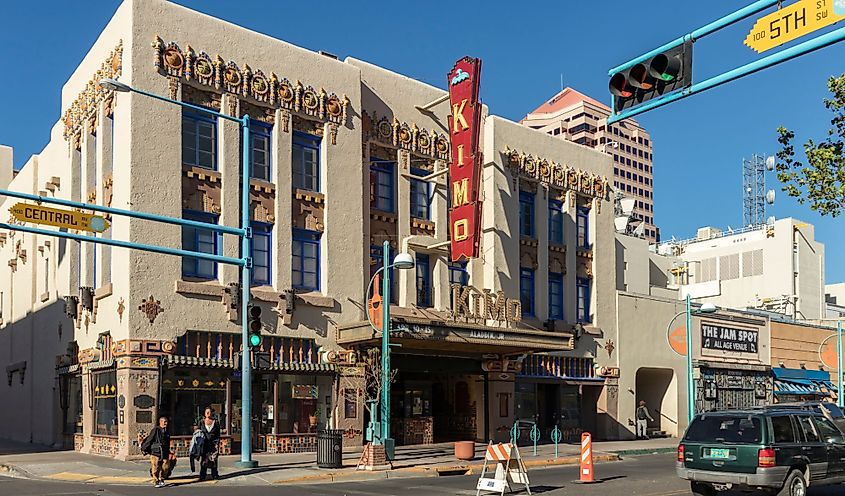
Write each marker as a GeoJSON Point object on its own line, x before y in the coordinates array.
{"type": "Point", "coordinates": [151, 307]}
{"type": "Point", "coordinates": [609, 347]}
{"type": "Point", "coordinates": [173, 58]}
{"type": "Point", "coordinates": [120, 308]}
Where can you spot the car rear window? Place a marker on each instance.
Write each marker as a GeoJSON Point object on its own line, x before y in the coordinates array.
{"type": "Point", "coordinates": [721, 428]}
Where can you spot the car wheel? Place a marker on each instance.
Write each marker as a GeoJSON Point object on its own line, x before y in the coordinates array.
{"type": "Point", "coordinates": [795, 485]}
{"type": "Point", "coordinates": [699, 489]}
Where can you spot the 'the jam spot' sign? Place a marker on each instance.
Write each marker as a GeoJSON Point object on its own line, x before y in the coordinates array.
{"type": "Point", "coordinates": [465, 167]}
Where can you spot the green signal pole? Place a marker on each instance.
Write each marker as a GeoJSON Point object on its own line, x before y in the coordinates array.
{"type": "Point", "coordinates": [690, 381]}
{"type": "Point", "coordinates": [385, 355]}
{"type": "Point", "coordinates": [840, 401]}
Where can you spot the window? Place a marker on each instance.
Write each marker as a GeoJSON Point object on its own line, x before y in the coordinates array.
{"type": "Point", "coordinates": [72, 413]}
{"type": "Point", "coordinates": [807, 428]}
{"type": "Point", "coordinates": [583, 310]}
{"type": "Point", "coordinates": [582, 220]}
{"type": "Point", "coordinates": [377, 261]}
{"type": "Point", "coordinates": [828, 432]}
{"type": "Point", "coordinates": [382, 185]}
{"type": "Point", "coordinates": [555, 222]}
{"type": "Point", "coordinates": [306, 161]}
{"type": "Point", "coordinates": [526, 291]}
{"type": "Point", "coordinates": [458, 273]}
{"type": "Point", "coordinates": [261, 243]}
{"type": "Point", "coordinates": [105, 403]}
{"type": "Point", "coordinates": [259, 135]}
{"type": "Point", "coordinates": [199, 141]}
{"type": "Point", "coordinates": [555, 296]}
{"type": "Point", "coordinates": [423, 281]}
{"type": "Point", "coordinates": [732, 429]}
{"type": "Point", "coordinates": [526, 214]}
{"type": "Point", "coordinates": [420, 196]}
{"type": "Point", "coordinates": [201, 240]}
{"type": "Point", "coordinates": [305, 272]}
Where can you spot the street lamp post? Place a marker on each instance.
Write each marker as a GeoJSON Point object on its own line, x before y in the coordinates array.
{"type": "Point", "coordinates": [403, 261]}
{"type": "Point", "coordinates": [704, 309]}
{"type": "Point", "coordinates": [246, 268]}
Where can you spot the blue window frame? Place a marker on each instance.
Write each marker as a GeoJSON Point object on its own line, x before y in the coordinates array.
{"type": "Point", "coordinates": [261, 253]}
{"type": "Point", "coordinates": [555, 222]}
{"type": "Point", "coordinates": [305, 273]}
{"type": "Point", "coordinates": [377, 259]}
{"type": "Point", "coordinates": [582, 221]}
{"type": "Point", "coordinates": [420, 196]}
{"type": "Point", "coordinates": [201, 240]}
{"type": "Point", "coordinates": [526, 291]}
{"type": "Point", "coordinates": [458, 273]}
{"type": "Point", "coordinates": [526, 214]}
{"type": "Point", "coordinates": [583, 304]}
{"type": "Point", "coordinates": [555, 296]}
{"type": "Point", "coordinates": [423, 281]}
{"type": "Point", "coordinates": [383, 185]}
{"type": "Point", "coordinates": [306, 161]}
{"type": "Point", "coordinates": [259, 135]}
{"type": "Point", "coordinates": [199, 140]}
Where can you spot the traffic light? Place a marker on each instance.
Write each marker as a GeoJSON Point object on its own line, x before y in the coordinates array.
{"type": "Point", "coordinates": [661, 74]}
{"type": "Point", "coordinates": [255, 325]}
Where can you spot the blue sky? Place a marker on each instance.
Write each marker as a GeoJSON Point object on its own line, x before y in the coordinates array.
{"type": "Point", "coordinates": [526, 46]}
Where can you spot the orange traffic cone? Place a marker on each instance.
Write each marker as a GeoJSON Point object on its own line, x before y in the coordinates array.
{"type": "Point", "coordinates": [586, 470]}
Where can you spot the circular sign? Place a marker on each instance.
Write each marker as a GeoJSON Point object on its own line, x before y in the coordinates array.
{"type": "Point", "coordinates": [98, 223]}
{"type": "Point", "coordinates": [678, 340]}
{"type": "Point", "coordinates": [828, 353]}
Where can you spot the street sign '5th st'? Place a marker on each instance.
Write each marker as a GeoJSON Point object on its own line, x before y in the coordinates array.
{"type": "Point", "coordinates": [793, 22]}
{"type": "Point", "coordinates": [68, 219]}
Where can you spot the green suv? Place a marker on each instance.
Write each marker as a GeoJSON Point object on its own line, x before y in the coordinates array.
{"type": "Point", "coordinates": [779, 451]}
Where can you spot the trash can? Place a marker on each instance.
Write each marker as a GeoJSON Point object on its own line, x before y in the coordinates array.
{"type": "Point", "coordinates": [330, 448]}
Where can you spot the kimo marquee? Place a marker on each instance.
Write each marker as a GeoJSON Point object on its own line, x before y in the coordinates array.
{"type": "Point", "coordinates": [465, 166]}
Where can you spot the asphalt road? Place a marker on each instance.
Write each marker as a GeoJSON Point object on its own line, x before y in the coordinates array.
{"type": "Point", "coordinates": [648, 475]}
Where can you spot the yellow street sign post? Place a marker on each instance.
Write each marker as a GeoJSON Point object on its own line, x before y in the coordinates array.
{"type": "Point", "coordinates": [793, 22]}
{"type": "Point", "coordinates": [68, 219]}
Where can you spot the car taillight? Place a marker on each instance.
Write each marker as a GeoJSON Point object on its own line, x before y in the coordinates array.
{"type": "Point", "coordinates": [766, 457]}
{"type": "Point", "coordinates": [681, 453]}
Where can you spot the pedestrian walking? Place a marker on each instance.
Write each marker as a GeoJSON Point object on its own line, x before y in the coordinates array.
{"type": "Point", "coordinates": [157, 446]}
{"type": "Point", "coordinates": [210, 429]}
{"type": "Point", "coordinates": [642, 421]}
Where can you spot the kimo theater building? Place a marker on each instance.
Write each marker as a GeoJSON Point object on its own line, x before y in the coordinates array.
{"type": "Point", "coordinates": [341, 161]}
{"type": "Point", "coordinates": [465, 329]}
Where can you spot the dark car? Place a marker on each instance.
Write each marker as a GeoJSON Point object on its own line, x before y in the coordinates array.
{"type": "Point", "coordinates": [777, 450]}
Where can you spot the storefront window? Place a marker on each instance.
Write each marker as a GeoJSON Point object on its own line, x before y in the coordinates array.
{"type": "Point", "coordinates": [186, 394]}
{"type": "Point", "coordinates": [73, 404]}
{"type": "Point", "coordinates": [105, 403]}
{"type": "Point", "coordinates": [525, 401]}
{"type": "Point", "coordinates": [304, 403]}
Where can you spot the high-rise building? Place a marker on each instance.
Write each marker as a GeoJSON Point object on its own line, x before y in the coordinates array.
{"type": "Point", "coordinates": [577, 117]}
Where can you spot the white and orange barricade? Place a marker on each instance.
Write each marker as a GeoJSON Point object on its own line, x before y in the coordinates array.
{"type": "Point", "coordinates": [510, 469]}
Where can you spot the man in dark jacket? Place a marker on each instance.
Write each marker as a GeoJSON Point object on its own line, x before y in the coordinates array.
{"type": "Point", "coordinates": [210, 429]}
{"type": "Point", "coordinates": [157, 446]}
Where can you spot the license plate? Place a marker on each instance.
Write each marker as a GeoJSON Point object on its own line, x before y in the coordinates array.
{"type": "Point", "coordinates": [720, 453]}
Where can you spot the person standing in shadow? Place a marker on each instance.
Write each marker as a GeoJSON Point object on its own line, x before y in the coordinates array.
{"type": "Point", "coordinates": [210, 429]}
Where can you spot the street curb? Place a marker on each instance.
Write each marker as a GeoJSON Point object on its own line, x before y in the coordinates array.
{"type": "Point", "coordinates": [645, 451]}
{"type": "Point", "coordinates": [12, 471]}
{"type": "Point", "coordinates": [408, 472]}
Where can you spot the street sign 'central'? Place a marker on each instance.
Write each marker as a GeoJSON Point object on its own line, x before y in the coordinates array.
{"type": "Point", "coordinates": [793, 22]}
{"type": "Point", "coordinates": [68, 219]}
{"type": "Point", "coordinates": [465, 168]}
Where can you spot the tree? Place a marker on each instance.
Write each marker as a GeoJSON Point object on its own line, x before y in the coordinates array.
{"type": "Point", "coordinates": [821, 182]}
{"type": "Point", "coordinates": [350, 388]}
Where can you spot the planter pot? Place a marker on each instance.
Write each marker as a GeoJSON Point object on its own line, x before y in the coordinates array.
{"type": "Point", "coordinates": [465, 450]}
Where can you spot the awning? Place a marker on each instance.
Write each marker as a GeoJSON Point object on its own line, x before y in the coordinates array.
{"type": "Point", "coordinates": [803, 382]}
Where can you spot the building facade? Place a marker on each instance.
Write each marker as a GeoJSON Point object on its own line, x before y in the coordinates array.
{"type": "Point", "coordinates": [98, 341]}
{"type": "Point", "coordinates": [573, 116]}
{"type": "Point", "coordinates": [776, 267]}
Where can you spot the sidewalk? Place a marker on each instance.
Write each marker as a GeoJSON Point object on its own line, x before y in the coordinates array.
{"type": "Point", "coordinates": [433, 460]}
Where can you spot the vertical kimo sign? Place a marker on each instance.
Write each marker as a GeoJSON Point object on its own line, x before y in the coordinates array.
{"type": "Point", "coordinates": [465, 168]}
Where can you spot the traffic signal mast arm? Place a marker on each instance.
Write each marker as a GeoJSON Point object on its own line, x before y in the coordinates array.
{"type": "Point", "coordinates": [630, 97]}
